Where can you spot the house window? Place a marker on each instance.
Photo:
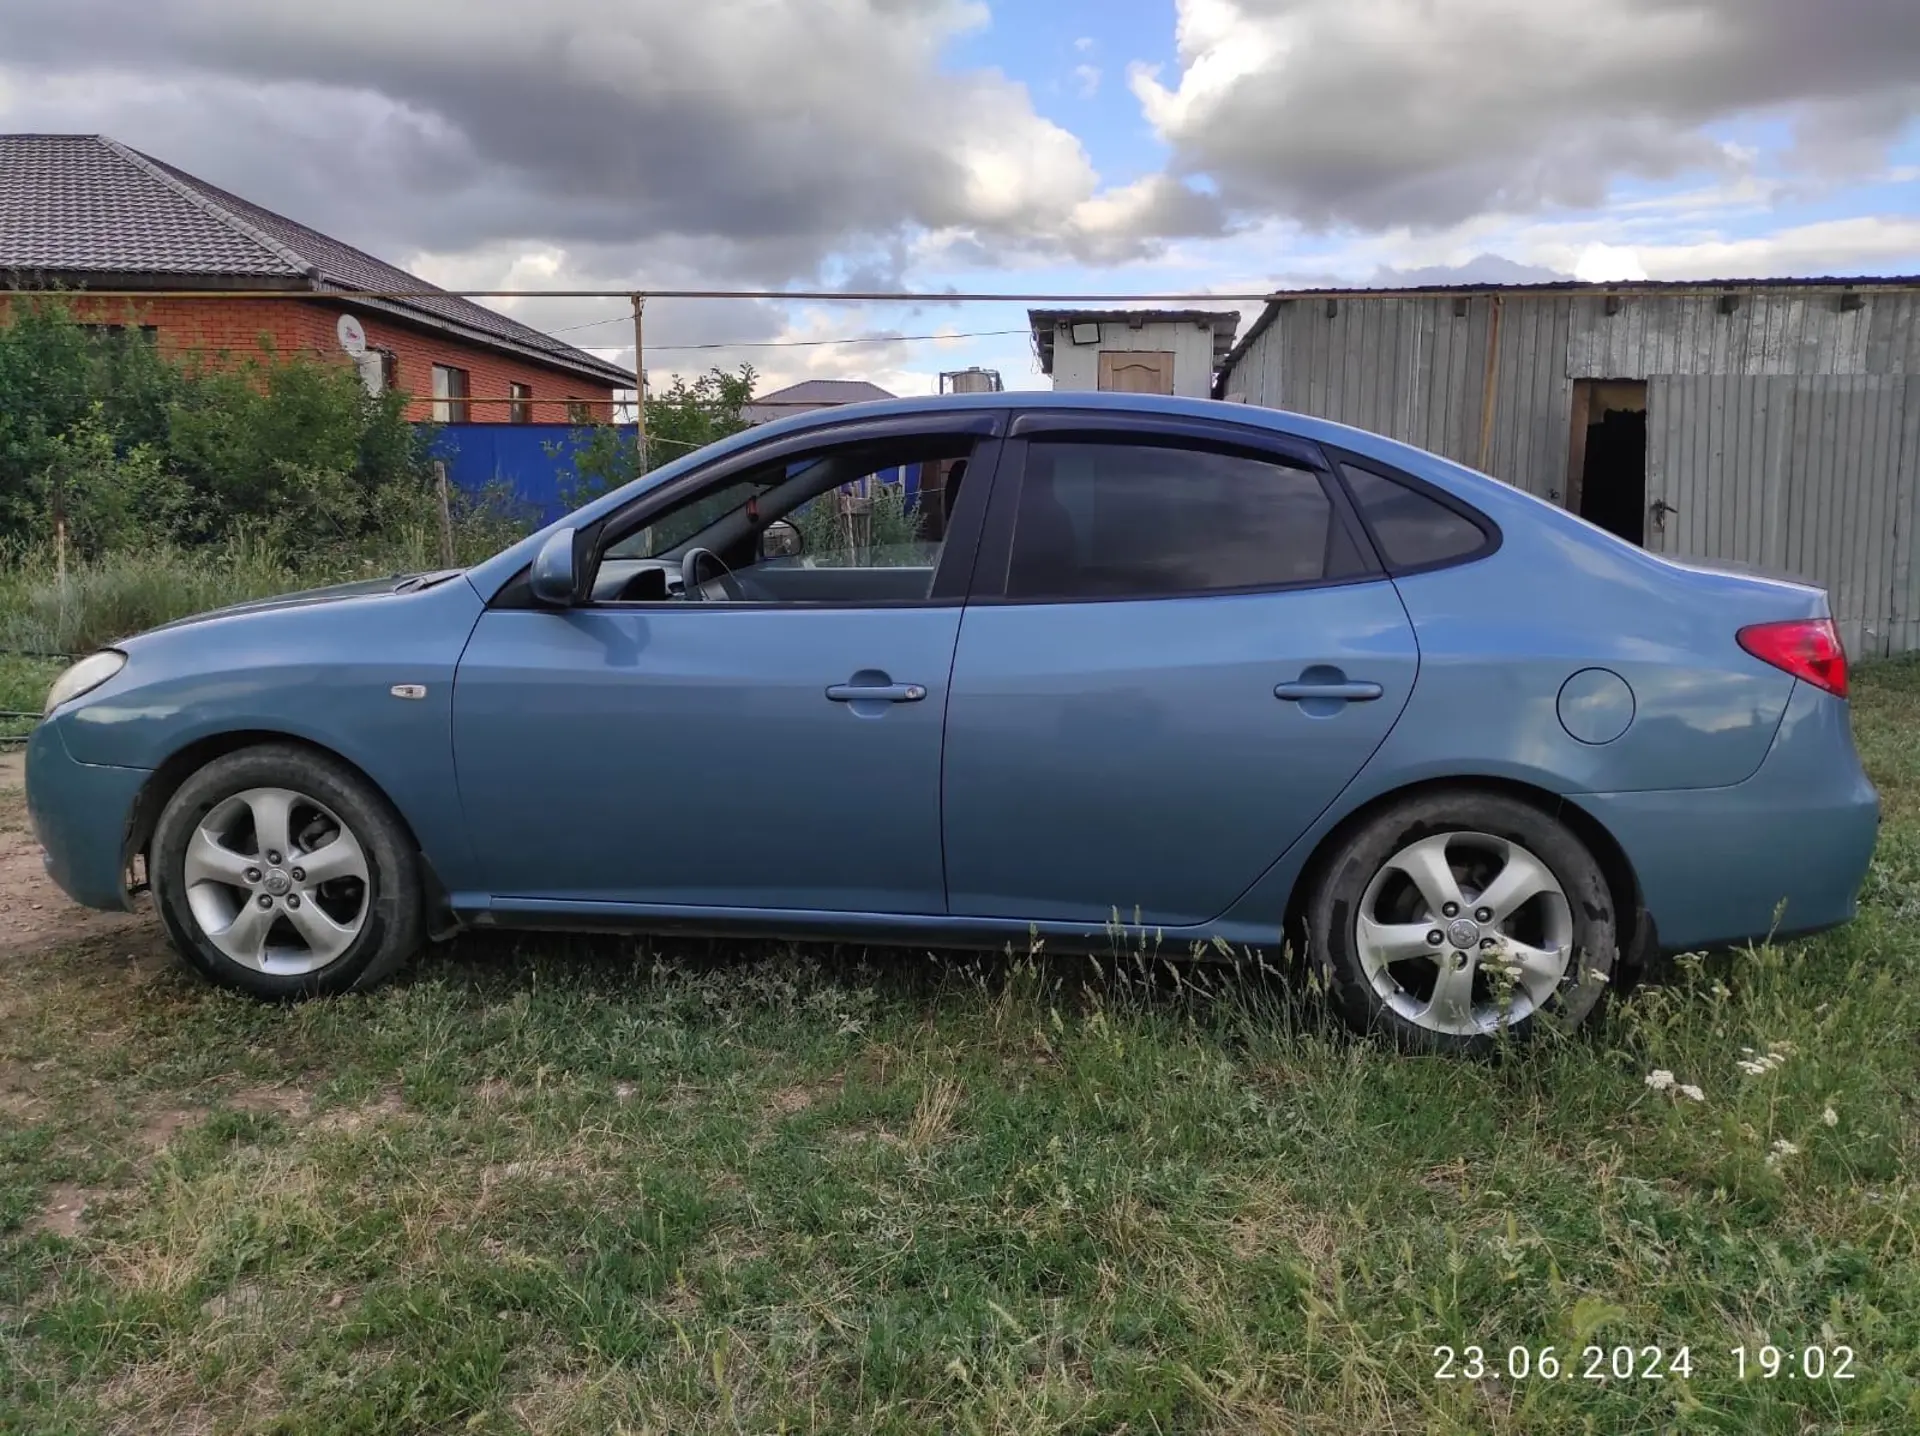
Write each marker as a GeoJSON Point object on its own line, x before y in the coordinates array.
{"type": "Point", "coordinates": [579, 411]}
{"type": "Point", "coordinates": [449, 395]}
{"type": "Point", "coordinates": [520, 403]}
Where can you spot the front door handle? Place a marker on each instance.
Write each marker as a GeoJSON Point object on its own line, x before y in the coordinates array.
{"type": "Point", "coordinates": [1303, 692]}
{"type": "Point", "coordinates": [876, 693]}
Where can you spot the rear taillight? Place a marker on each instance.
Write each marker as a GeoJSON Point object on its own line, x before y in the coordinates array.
{"type": "Point", "coordinates": [1807, 648]}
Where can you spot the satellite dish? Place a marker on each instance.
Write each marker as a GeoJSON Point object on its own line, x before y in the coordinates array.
{"type": "Point", "coordinates": [353, 338]}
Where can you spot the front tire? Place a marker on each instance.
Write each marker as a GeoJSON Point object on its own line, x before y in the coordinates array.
{"type": "Point", "coordinates": [1450, 919]}
{"type": "Point", "coordinates": [279, 871]}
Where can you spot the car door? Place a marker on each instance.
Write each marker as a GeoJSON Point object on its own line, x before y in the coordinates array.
{"type": "Point", "coordinates": [1179, 650]}
{"type": "Point", "coordinates": [774, 753]}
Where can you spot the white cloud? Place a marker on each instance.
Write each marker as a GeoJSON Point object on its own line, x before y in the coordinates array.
{"type": "Point", "coordinates": [1599, 263]}
{"type": "Point", "coordinates": [1086, 81]}
{"type": "Point", "coordinates": [1382, 112]}
{"type": "Point", "coordinates": [774, 135]}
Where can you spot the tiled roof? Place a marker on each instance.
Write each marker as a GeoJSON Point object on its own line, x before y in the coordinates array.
{"type": "Point", "coordinates": [79, 205]}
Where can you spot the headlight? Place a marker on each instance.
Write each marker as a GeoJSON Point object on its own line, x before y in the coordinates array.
{"type": "Point", "coordinates": [85, 676]}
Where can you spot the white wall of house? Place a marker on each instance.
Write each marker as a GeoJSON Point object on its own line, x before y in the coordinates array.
{"type": "Point", "coordinates": [1077, 366]}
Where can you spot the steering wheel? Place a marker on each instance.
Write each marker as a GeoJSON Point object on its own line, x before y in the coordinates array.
{"type": "Point", "coordinates": [691, 582]}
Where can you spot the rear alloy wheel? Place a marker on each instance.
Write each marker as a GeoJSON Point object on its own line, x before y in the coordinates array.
{"type": "Point", "coordinates": [1452, 918]}
{"type": "Point", "coordinates": [278, 871]}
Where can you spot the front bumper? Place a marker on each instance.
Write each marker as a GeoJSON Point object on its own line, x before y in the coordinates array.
{"type": "Point", "coordinates": [81, 814]}
{"type": "Point", "coordinates": [1782, 853]}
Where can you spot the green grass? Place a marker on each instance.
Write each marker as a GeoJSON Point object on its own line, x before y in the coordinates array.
{"type": "Point", "coordinates": [594, 1187]}
{"type": "Point", "coordinates": [23, 689]}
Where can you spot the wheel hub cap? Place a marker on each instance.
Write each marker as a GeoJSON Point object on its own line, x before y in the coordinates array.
{"type": "Point", "coordinates": [276, 881]}
{"type": "Point", "coordinates": [1464, 932]}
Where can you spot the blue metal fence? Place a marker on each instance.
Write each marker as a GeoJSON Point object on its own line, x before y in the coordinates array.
{"type": "Point", "coordinates": [535, 461]}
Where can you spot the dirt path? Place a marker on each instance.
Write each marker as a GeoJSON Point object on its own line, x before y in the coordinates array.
{"type": "Point", "coordinates": [35, 914]}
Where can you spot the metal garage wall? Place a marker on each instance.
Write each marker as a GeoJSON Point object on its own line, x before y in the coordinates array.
{"type": "Point", "coordinates": [1809, 475]}
{"type": "Point", "coordinates": [1415, 370]}
{"type": "Point", "coordinates": [1783, 426]}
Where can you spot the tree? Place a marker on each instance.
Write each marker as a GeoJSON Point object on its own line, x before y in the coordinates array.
{"type": "Point", "coordinates": [686, 417]}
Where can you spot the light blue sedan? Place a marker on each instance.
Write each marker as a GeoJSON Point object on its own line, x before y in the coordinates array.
{"type": "Point", "coordinates": [1125, 669]}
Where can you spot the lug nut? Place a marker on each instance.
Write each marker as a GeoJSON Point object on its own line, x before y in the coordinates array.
{"type": "Point", "coordinates": [253, 875]}
{"type": "Point", "coordinates": [1435, 938]}
{"type": "Point", "coordinates": [299, 875]}
{"type": "Point", "coordinates": [1483, 914]}
{"type": "Point", "coordinates": [273, 860]}
{"type": "Point", "coordinates": [1486, 944]}
{"type": "Point", "coordinates": [265, 901]}
{"type": "Point", "coordinates": [1451, 909]}
{"type": "Point", "coordinates": [293, 900]}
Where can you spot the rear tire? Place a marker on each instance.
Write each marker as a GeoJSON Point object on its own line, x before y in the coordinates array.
{"type": "Point", "coordinates": [1457, 919]}
{"type": "Point", "coordinates": [280, 872]}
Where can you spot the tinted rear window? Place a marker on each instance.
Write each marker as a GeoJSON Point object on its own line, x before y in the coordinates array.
{"type": "Point", "coordinates": [1413, 530]}
{"type": "Point", "coordinates": [1119, 520]}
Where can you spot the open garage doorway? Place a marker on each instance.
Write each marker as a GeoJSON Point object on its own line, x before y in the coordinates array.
{"type": "Point", "coordinates": [1607, 470]}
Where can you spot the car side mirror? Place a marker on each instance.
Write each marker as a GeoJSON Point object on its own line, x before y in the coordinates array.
{"type": "Point", "coordinates": [551, 580]}
{"type": "Point", "coordinates": [781, 539]}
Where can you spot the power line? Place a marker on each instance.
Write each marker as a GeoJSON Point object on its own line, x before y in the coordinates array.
{"type": "Point", "coordinates": [789, 343]}
{"type": "Point", "coordinates": [811, 296]}
{"type": "Point", "coordinates": [817, 343]}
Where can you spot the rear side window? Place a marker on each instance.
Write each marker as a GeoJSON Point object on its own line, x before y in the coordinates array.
{"type": "Point", "coordinates": [1123, 520]}
{"type": "Point", "coordinates": [1413, 530]}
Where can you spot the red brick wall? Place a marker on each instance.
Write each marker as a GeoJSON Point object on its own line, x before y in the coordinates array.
{"type": "Point", "coordinates": [236, 327]}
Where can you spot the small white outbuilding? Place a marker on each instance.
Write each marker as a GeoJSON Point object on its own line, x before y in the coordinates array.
{"type": "Point", "coordinates": [1133, 351]}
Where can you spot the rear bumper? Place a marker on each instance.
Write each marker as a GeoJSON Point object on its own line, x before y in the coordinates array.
{"type": "Point", "coordinates": [1782, 853]}
{"type": "Point", "coordinates": [80, 814]}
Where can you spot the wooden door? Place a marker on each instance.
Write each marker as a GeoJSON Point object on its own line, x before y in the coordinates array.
{"type": "Point", "coordinates": [1138, 372]}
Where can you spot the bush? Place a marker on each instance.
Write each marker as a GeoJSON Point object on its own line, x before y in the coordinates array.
{"type": "Point", "coordinates": [134, 450]}
{"type": "Point", "coordinates": [879, 530]}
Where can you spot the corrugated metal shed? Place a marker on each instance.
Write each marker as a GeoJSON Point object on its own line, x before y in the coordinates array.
{"type": "Point", "coordinates": [1782, 418]}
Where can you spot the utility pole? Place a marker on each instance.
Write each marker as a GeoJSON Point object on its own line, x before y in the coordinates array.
{"type": "Point", "coordinates": [640, 381]}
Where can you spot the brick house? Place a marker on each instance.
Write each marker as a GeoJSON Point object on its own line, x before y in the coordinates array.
{"type": "Point", "coordinates": [81, 212]}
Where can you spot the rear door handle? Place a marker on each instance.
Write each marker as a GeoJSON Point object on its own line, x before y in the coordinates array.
{"type": "Point", "coordinates": [1298, 692]}
{"type": "Point", "coordinates": [878, 693]}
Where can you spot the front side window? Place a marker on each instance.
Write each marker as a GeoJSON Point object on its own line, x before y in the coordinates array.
{"type": "Point", "coordinates": [449, 395]}
{"type": "Point", "coordinates": [857, 525]}
{"type": "Point", "coordinates": [1124, 520]}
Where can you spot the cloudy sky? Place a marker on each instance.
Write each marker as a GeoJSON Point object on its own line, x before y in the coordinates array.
{"type": "Point", "coordinates": [1037, 145]}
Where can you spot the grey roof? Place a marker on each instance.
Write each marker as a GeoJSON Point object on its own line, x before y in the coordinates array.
{"type": "Point", "coordinates": [1223, 323]}
{"type": "Point", "coordinates": [810, 394]}
{"type": "Point", "coordinates": [85, 207]}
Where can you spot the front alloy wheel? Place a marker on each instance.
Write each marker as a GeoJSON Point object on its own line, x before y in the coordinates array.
{"type": "Point", "coordinates": [280, 871]}
{"type": "Point", "coordinates": [276, 881]}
